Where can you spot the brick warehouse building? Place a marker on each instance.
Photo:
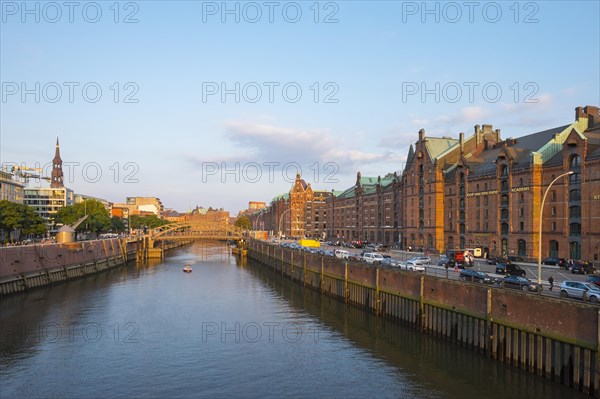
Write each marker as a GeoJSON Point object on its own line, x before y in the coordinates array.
{"type": "Point", "coordinates": [367, 211]}
{"type": "Point", "coordinates": [479, 191]}
{"type": "Point", "coordinates": [486, 192]}
{"type": "Point", "coordinates": [299, 213]}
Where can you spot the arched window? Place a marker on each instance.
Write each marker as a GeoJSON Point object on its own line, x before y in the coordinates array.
{"type": "Point", "coordinates": [504, 170]}
{"type": "Point", "coordinates": [504, 200]}
{"type": "Point", "coordinates": [574, 211]}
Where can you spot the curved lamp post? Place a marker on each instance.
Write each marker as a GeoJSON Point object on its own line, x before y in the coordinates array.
{"type": "Point", "coordinates": [280, 220]}
{"type": "Point", "coordinates": [333, 237]}
{"type": "Point", "coordinates": [540, 231]}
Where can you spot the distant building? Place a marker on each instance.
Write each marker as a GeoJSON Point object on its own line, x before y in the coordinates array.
{"type": "Point", "coordinates": [208, 215]}
{"type": "Point", "coordinates": [256, 205]}
{"type": "Point", "coordinates": [142, 205]}
{"type": "Point", "coordinates": [10, 189]}
{"type": "Point", "coordinates": [173, 216]}
{"type": "Point", "coordinates": [82, 197]}
{"type": "Point", "coordinates": [367, 211]}
{"type": "Point", "coordinates": [46, 201]}
{"type": "Point", "coordinates": [301, 212]}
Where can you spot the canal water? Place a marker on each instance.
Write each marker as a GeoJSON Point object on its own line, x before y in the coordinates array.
{"type": "Point", "coordinates": [230, 328]}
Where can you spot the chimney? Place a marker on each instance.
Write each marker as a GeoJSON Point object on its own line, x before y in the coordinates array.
{"type": "Point", "coordinates": [421, 135]}
{"type": "Point", "coordinates": [461, 142]}
{"type": "Point", "coordinates": [593, 114]}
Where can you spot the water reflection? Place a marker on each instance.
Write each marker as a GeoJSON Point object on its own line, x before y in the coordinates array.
{"type": "Point", "coordinates": [427, 360]}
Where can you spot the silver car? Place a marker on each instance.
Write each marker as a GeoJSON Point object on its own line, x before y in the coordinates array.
{"type": "Point", "coordinates": [420, 260]}
{"type": "Point", "coordinates": [577, 289]}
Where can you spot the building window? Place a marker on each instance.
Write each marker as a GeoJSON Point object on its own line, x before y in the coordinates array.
{"type": "Point", "coordinates": [575, 195]}
{"type": "Point", "coordinates": [575, 250]}
{"type": "Point", "coordinates": [522, 226]}
{"type": "Point", "coordinates": [575, 162]}
{"type": "Point", "coordinates": [575, 229]}
{"type": "Point", "coordinates": [553, 250]}
{"type": "Point", "coordinates": [504, 170]}
{"type": "Point", "coordinates": [522, 245]}
{"type": "Point", "coordinates": [553, 226]}
{"type": "Point", "coordinates": [574, 212]}
{"type": "Point", "coordinates": [553, 195]}
{"type": "Point", "coordinates": [553, 211]}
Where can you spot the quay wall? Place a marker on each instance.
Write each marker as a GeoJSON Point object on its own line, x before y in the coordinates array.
{"type": "Point", "coordinates": [30, 266]}
{"type": "Point", "coordinates": [550, 337]}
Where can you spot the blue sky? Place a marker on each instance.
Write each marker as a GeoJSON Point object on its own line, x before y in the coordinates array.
{"type": "Point", "coordinates": [359, 84]}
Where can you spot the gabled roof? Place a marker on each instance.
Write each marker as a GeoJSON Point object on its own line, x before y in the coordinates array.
{"type": "Point", "coordinates": [410, 158]}
{"type": "Point", "coordinates": [436, 146]}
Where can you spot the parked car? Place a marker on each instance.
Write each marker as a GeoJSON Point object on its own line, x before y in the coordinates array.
{"type": "Point", "coordinates": [409, 265]}
{"type": "Point", "coordinates": [583, 268]}
{"type": "Point", "coordinates": [593, 280]}
{"type": "Point", "coordinates": [555, 262]}
{"type": "Point", "coordinates": [340, 253]}
{"type": "Point", "coordinates": [577, 289]}
{"type": "Point", "coordinates": [475, 276]}
{"type": "Point", "coordinates": [519, 283]}
{"type": "Point", "coordinates": [389, 262]}
{"type": "Point", "coordinates": [372, 257]}
{"type": "Point", "coordinates": [420, 260]}
{"type": "Point", "coordinates": [492, 261]}
{"type": "Point", "coordinates": [510, 269]}
{"type": "Point", "coordinates": [443, 260]}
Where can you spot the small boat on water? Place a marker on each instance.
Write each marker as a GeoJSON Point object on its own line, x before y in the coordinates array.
{"type": "Point", "coordinates": [187, 269]}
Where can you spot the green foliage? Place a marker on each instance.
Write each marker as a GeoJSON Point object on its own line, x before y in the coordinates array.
{"type": "Point", "coordinates": [20, 217]}
{"type": "Point", "coordinates": [244, 223]}
{"type": "Point", "coordinates": [98, 219]}
{"type": "Point", "coordinates": [117, 224]}
{"type": "Point", "coordinates": [152, 221]}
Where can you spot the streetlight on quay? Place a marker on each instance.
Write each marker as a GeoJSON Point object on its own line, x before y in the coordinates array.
{"type": "Point", "coordinates": [540, 231]}
{"type": "Point", "coordinates": [333, 216]}
{"type": "Point", "coordinates": [280, 220]}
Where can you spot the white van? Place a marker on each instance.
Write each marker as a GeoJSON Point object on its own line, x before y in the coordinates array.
{"type": "Point", "coordinates": [340, 253]}
{"type": "Point", "coordinates": [372, 257]}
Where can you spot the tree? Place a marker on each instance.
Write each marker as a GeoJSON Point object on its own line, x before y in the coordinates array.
{"type": "Point", "coordinates": [117, 224]}
{"type": "Point", "coordinates": [152, 221]}
{"type": "Point", "coordinates": [22, 218]}
{"type": "Point", "coordinates": [98, 219]}
{"type": "Point", "coordinates": [244, 223]}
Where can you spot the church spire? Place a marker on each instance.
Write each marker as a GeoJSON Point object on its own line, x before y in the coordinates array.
{"type": "Point", "coordinates": [57, 173]}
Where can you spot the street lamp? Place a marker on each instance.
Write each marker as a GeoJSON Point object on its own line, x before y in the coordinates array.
{"type": "Point", "coordinates": [540, 235]}
{"type": "Point", "coordinates": [280, 220]}
{"type": "Point", "coordinates": [333, 215]}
